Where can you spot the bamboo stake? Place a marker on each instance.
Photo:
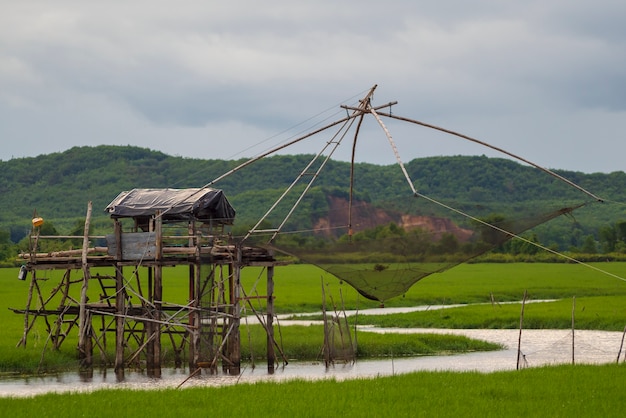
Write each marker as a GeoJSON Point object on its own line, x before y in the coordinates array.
{"type": "Point", "coordinates": [356, 321]}
{"type": "Point", "coordinates": [198, 370]}
{"type": "Point", "coordinates": [326, 348]}
{"type": "Point", "coordinates": [619, 353]}
{"type": "Point", "coordinates": [119, 305]}
{"type": "Point", "coordinates": [521, 323]}
{"type": "Point", "coordinates": [573, 328]}
{"type": "Point", "coordinates": [271, 355]}
{"type": "Point", "coordinates": [158, 296]}
{"type": "Point", "coordinates": [29, 300]}
{"type": "Point", "coordinates": [345, 317]}
{"type": "Point", "coordinates": [83, 327]}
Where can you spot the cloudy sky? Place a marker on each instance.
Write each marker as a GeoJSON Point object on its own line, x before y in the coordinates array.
{"type": "Point", "coordinates": [543, 79]}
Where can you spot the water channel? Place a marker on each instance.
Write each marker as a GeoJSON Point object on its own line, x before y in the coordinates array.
{"type": "Point", "coordinates": [538, 347]}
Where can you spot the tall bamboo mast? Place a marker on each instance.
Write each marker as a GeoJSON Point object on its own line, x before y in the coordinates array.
{"type": "Point", "coordinates": [84, 332]}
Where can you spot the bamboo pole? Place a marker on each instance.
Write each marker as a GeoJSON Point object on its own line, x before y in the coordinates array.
{"type": "Point", "coordinates": [619, 353]}
{"type": "Point", "coordinates": [84, 325]}
{"type": "Point", "coordinates": [119, 305]}
{"type": "Point", "coordinates": [234, 338]}
{"type": "Point", "coordinates": [192, 301]}
{"type": "Point", "coordinates": [271, 354]}
{"type": "Point", "coordinates": [158, 295]}
{"type": "Point", "coordinates": [29, 300]}
{"type": "Point", "coordinates": [326, 342]}
{"type": "Point", "coordinates": [193, 356]}
{"type": "Point", "coordinates": [573, 328]}
{"type": "Point", "coordinates": [263, 322]}
{"type": "Point", "coordinates": [347, 325]}
{"type": "Point", "coordinates": [196, 293]}
{"type": "Point", "coordinates": [521, 323]}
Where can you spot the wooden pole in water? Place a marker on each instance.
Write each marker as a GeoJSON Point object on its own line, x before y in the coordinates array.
{"type": "Point", "coordinates": [326, 342]}
{"type": "Point", "coordinates": [158, 295]}
{"type": "Point", "coordinates": [198, 304]}
{"type": "Point", "coordinates": [347, 325]}
{"type": "Point", "coordinates": [619, 353]}
{"type": "Point", "coordinates": [573, 327]}
{"type": "Point", "coordinates": [271, 354]}
{"type": "Point", "coordinates": [521, 323]}
{"type": "Point", "coordinates": [119, 305]}
{"type": "Point", "coordinates": [83, 325]}
{"type": "Point", "coordinates": [234, 346]}
{"type": "Point", "coordinates": [193, 305]}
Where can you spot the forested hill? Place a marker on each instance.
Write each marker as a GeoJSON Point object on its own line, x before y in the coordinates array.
{"type": "Point", "coordinates": [59, 185]}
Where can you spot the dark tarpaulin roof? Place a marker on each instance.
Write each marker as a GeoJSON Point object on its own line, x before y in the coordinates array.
{"type": "Point", "coordinates": [174, 204]}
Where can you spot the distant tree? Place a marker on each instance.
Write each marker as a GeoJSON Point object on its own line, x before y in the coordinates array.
{"type": "Point", "coordinates": [608, 238]}
{"type": "Point", "coordinates": [522, 246]}
{"type": "Point", "coordinates": [8, 250]}
{"type": "Point", "coordinates": [448, 244]}
{"type": "Point", "coordinates": [589, 245]}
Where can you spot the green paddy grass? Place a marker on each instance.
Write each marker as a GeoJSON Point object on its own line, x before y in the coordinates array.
{"type": "Point", "coordinates": [599, 305]}
{"type": "Point", "coordinates": [561, 391]}
{"type": "Point", "coordinates": [606, 313]}
{"type": "Point", "coordinates": [579, 390]}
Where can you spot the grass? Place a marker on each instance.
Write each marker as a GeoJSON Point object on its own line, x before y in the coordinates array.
{"type": "Point", "coordinates": [298, 287]}
{"type": "Point", "coordinates": [560, 391]}
{"type": "Point", "coordinates": [305, 343]}
{"type": "Point", "coordinates": [606, 313]}
{"type": "Point", "coordinates": [599, 305]}
{"type": "Point", "coordinates": [547, 391]}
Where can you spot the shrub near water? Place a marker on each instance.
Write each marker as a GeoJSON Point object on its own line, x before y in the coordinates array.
{"type": "Point", "coordinates": [305, 343]}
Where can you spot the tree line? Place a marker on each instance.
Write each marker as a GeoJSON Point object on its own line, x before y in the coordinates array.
{"type": "Point", "coordinates": [58, 186]}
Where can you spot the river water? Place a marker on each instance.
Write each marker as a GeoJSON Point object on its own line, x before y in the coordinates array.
{"type": "Point", "coordinates": [538, 347]}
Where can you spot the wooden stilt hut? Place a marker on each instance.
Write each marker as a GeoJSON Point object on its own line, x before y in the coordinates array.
{"type": "Point", "coordinates": [153, 230]}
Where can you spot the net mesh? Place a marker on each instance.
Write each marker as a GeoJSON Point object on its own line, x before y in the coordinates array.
{"type": "Point", "coordinates": [383, 254]}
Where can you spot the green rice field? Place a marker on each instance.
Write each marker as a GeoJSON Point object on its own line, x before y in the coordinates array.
{"type": "Point", "coordinates": [559, 391]}
{"type": "Point", "coordinates": [594, 295]}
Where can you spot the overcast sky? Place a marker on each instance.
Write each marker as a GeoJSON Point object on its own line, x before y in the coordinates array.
{"type": "Point", "coordinates": [543, 79]}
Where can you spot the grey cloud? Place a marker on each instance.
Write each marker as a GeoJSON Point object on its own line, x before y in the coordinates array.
{"type": "Point", "coordinates": [135, 72]}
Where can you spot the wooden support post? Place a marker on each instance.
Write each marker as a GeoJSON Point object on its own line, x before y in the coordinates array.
{"type": "Point", "coordinates": [119, 305]}
{"type": "Point", "coordinates": [271, 355]}
{"type": "Point", "coordinates": [29, 300]}
{"type": "Point", "coordinates": [198, 304]}
{"type": "Point", "coordinates": [194, 301]}
{"type": "Point", "coordinates": [193, 323]}
{"type": "Point", "coordinates": [158, 295]}
{"type": "Point", "coordinates": [84, 325]}
{"type": "Point", "coordinates": [225, 298]}
{"type": "Point", "coordinates": [234, 339]}
{"type": "Point", "coordinates": [192, 304]}
{"type": "Point", "coordinates": [149, 325]}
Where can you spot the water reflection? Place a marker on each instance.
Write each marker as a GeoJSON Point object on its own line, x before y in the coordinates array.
{"type": "Point", "coordinates": [539, 347]}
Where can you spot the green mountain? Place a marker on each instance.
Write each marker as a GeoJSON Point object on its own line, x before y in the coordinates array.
{"type": "Point", "coordinates": [58, 186]}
